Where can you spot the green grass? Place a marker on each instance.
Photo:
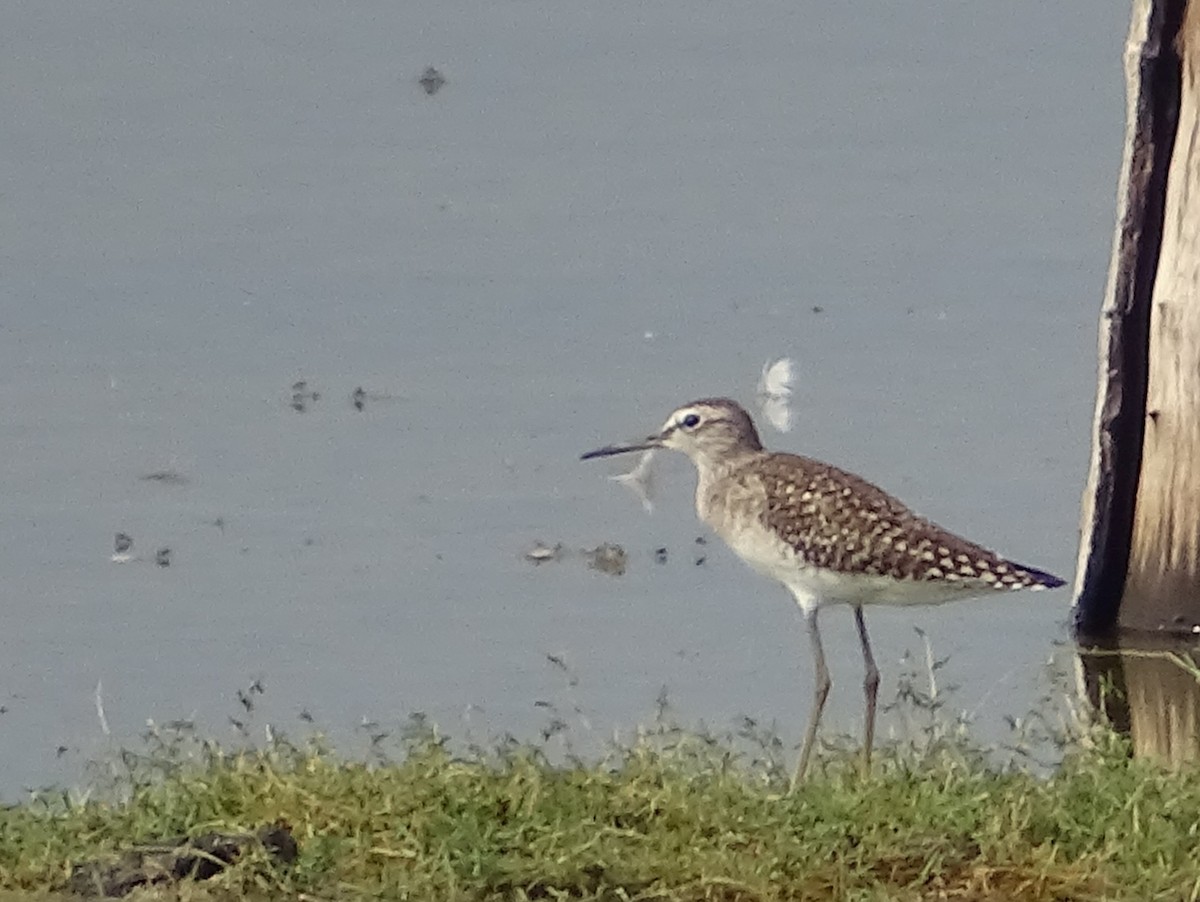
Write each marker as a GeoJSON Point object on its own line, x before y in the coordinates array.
{"type": "Point", "coordinates": [672, 816]}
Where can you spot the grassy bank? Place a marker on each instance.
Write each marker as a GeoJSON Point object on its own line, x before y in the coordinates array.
{"type": "Point", "coordinates": [672, 816]}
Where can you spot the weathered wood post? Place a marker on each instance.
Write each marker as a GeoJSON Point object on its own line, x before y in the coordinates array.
{"type": "Point", "coordinates": [1138, 581]}
{"type": "Point", "coordinates": [1139, 557]}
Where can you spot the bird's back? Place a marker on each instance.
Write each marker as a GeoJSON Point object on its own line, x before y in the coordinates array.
{"type": "Point", "coordinates": [832, 535]}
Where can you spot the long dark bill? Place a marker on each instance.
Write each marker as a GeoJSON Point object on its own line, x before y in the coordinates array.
{"type": "Point", "coordinates": [609, 450]}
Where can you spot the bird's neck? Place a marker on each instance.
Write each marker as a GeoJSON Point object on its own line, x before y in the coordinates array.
{"type": "Point", "coordinates": [712, 471]}
{"type": "Point", "coordinates": [712, 467]}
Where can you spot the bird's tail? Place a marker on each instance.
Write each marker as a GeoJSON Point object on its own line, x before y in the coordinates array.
{"type": "Point", "coordinates": [1038, 579]}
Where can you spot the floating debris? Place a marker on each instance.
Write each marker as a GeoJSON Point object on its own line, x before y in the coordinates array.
{"type": "Point", "coordinates": [100, 715]}
{"type": "Point", "coordinates": [561, 663]}
{"type": "Point", "coordinates": [775, 392]}
{"type": "Point", "coordinates": [360, 397]}
{"type": "Point", "coordinates": [162, 557]}
{"type": "Point", "coordinates": [431, 80]}
{"type": "Point", "coordinates": [660, 555]}
{"type": "Point", "coordinates": [245, 696]}
{"type": "Point", "coordinates": [640, 481]}
{"type": "Point", "coordinates": [701, 555]}
{"type": "Point", "coordinates": [302, 397]}
{"type": "Point", "coordinates": [166, 477]}
{"type": "Point", "coordinates": [540, 553]}
{"type": "Point", "coordinates": [607, 558]}
{"type": "Point", "coordinates": [122, 549]}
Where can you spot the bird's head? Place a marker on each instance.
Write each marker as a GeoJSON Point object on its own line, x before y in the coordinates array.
{"type": "Point", "coordinates": [708, 431]}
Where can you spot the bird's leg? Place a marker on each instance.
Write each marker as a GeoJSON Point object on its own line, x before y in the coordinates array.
{"type": "Point", "coordinates": [820, 693]}
{"type": "Point", "coordinates": [870, 687]}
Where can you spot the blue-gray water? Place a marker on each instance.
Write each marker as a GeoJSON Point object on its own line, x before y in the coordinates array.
{"type": "Point", "coordinates": [605, 211]}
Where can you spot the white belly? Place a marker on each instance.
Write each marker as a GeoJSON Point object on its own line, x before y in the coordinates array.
{"type": "Point", "coordinates": [817, 587]}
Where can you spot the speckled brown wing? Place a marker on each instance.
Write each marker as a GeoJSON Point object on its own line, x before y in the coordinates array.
{"type": "Point", "coordinates": [839, 521]}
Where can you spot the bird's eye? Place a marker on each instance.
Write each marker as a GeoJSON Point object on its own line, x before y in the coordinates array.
{"type": "Point", "coordinates": [691, 421]}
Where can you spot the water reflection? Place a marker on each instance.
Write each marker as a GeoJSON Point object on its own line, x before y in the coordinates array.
{"type": "Point", "coordinates": [1148, 686]}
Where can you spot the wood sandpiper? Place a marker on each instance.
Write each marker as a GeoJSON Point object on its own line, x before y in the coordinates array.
{"type": "Point", "coordinates": [829, 536]}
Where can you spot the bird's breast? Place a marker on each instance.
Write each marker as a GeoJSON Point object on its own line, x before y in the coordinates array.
{"type": "Point", "coordinates": [733, 508]}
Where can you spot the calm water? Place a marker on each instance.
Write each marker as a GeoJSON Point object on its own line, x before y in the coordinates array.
{"type": "Point", "coordinates": [604, 212]}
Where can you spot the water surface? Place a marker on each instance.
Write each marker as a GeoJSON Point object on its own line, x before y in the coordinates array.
{"type": "Point", "coordinates": [602, 213]}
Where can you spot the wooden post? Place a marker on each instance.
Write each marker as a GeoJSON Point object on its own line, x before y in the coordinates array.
{"type": "Point", "coordinates": [1164, 566]}
{"type": "Point", "coordinates": [1139, 557]}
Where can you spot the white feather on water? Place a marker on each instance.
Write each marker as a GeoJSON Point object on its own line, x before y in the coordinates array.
{"type": "Point", "coordinates": [640, 480]}
{"type": "Point", "coordinates": [775, 392]}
